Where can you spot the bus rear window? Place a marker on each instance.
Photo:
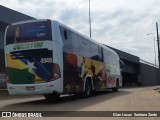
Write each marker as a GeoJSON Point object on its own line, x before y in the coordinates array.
{"type": "Point", "coordinates": [28, 32]}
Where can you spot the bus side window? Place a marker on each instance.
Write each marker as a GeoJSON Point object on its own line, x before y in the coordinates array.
{"type": "Point", "coordinates": [96, 52]}
{"type": "Point", "coordinates": [106, 56]}
{"type": "Point", "coordinates": [101, 50]}
{"type": "Point", "coordinates": [65, 34]}
{"type": "Point", "coordinates": [84, 46]}
{"type": "Point", "coordinates": [69, 39]}
{"type": "Point", "coordinates": [100, 56]}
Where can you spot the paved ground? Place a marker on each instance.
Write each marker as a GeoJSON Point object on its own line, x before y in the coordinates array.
{"type": "Point", "coordinates": [128, 99]}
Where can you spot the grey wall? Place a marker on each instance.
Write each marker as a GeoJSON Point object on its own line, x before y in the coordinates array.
{"type": "Point", "coordinates": [10, 16]}
{"type": "Point", "coordinates": [148, 75]}
{"type": "Point", "coordinates": [158, 74]}
{"type": "Point", "coordinates": [2, 62]}
{"type": "Point", "coordinates": [129, 67]}
{"type": "Point", "coordinates": [2, 30]}
{"type": "Point", "coordinates": [1, 37]}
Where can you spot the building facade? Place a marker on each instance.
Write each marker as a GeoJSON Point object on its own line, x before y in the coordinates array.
{"type": "Point", "coordinates": [136, 72]}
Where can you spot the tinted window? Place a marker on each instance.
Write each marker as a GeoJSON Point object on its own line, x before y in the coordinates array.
{"type": "Point", "coordinates": [69, 40]}
{"type": "Point", "coordinates": [84, 46]}
{"type": "Point", "coordinates": [110, 57]}
{"type": "Point", "coordinates": [79, 45]}
{"type": "Point", "coordinates": [29, 32]}
{"type": "Point", "coordinates": [96, 52]}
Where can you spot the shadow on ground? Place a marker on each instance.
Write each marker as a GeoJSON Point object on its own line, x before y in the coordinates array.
{"type": "Point", "coordinates": [72, 102]}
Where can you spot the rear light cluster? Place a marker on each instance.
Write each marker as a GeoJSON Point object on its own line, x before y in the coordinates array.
{"type": "Point", "coordinates": [55, 73]}
{"type": "Point", "coordinates": [8, 80]}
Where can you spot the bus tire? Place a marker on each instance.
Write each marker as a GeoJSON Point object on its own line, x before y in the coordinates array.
{"type": "Point", "coordinates": [88, 88]}
{"type": "Point", "coordinates": [115, 89]}
{"type": "Point", "coordinates": [52, 96]}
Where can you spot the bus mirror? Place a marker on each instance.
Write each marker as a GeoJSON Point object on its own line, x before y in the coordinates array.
{"type": "Point", "coordinates": [122, 65]}
{"type": "Point", "coordinates": [65, 34]}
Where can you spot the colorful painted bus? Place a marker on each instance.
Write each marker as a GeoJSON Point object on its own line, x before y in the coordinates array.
{"type": "Point", "coordinates": [46, 57]}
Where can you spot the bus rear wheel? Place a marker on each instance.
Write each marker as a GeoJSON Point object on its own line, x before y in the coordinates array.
{"type": "Point", "coordinates": [88, 88]}
{"type": "Point", "coordinates": [115, 89]}
{"type": "Point", "coordinates": [52, 96]}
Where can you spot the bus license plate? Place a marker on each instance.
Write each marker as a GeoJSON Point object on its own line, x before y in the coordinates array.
{"type": "Point", "coordinates": [30, 88]}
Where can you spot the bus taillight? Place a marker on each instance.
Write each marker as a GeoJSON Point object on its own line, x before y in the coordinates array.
{"type": "Point", "coordinates": [56, 72]}
{"type": "Point", "coordinates": [8, 80]}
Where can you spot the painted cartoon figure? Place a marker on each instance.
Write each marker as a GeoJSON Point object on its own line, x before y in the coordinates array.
{"type": "Point", "coordinates": [70, 72]}
{"type": "Point", "coordinates": [81, 70]}
{"type": "Point", "coordinates": [93, 69]}
{"type": "Point", "coordinates": [102, 75]}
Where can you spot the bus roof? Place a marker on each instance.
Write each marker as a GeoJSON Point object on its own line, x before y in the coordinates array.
{"type": "Point", "coordinates": [30, 21]}
{"type": "Point", "coordinates": [100, 44]}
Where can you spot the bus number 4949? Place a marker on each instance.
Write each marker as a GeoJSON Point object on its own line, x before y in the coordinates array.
{"type": "Point", "coordinates": [46, 60]}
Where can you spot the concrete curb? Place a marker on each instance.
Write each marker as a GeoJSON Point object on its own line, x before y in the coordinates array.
{"type": "Point", "coordinates": [3, 92]}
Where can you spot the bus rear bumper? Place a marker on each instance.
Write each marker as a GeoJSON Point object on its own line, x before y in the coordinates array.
{"type": "Point", "coordinates": [31, 89]}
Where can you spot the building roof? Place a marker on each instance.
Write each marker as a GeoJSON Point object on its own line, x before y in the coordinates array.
{"type": "Point", "coordinates": [8, 16]}
{"type": "Point", "coordinates": [126, 56]}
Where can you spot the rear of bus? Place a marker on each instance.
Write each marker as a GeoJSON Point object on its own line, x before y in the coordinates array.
{"type": "Point", "coordinates": [31, 66]}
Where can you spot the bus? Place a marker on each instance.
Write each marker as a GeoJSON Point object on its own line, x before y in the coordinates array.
{"type": "Point", "coordinates": [48, 58]}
